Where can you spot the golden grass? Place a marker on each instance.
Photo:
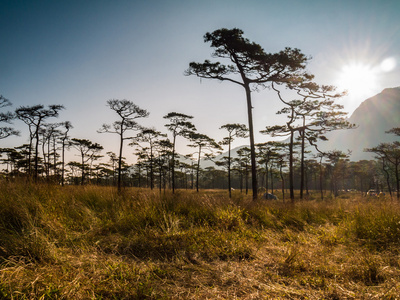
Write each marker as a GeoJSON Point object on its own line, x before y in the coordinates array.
{"type": "Point", "coordinates": [91, 243]}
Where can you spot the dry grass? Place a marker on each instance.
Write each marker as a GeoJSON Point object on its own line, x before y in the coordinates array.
{"type": "Point", "coordinates": [91, 243]}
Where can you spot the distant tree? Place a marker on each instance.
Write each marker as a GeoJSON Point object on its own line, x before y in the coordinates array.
{"type": "Point", "coordinates": [243, 162]}
{"type": "Point", "coordinates": [50, 133]}
{"type": "Point", "coordinates": [113, 163]}
{"type": "Point", "coordinates": [163, 149]}
{"type": "Point", "coordinates": [7, 117]}
{"type": "Point", "coordinates": [24, 162]}
{"type": "Point", "coordinates": [234, 130]}
{"type": "Point", "coordinates": [203, 143]}
{"type": "Point", "coordinates": [179, 126]}
{"type": "Point", "coordinates": [287, 130]}
{"type": "Point", "coordinates": [150, 136]}
{"type": "Point", "coordinates": [395, 131]}
{"type": "Point", "coordinates": [34, 117]}
{"type": "Point", "coordinates": [391, 153]}
{"type": "Point", "coordinates": [311, 115]}
{"type": "Point", "coordinates": [335, 161]}
{"type": "Point", "coordinates": [281, 162]}
{"type": "Point", "coordinates": [64, 144]}
{"type": "Point", "coordinates": [267, 153]}
{"type": "Point", "coordinates": [128, 113]}
{"type": "Point", "coordinates": [250, 67]}
{"type": "Point", "coordinates": [11, 160]}
{"type": "Point", "coordinates": [87, 150]}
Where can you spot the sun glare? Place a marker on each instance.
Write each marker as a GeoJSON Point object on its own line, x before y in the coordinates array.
{"type": "Point", "coordinates": [360, 80]}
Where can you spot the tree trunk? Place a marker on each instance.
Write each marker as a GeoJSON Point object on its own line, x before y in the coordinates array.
{"type": "Point", "coordinates": [36, 153]}
{"type": "Point", "coordinates": [173, 165]}
{"type": "Point", "coordinates": [63, 163]}
{"type": "Point", "coordinates": [291, 184]}
{"type": "Point", "coordinates": [302, 133]}
{"type": "Point", "coordinates": [283, 182]}
{"type": "Point", "coordinates": [198, 171]}
{"type": "Point", "coordinates": [320, 180]}
{"type": "Point", "coordinates": [229, 169]}
{"type": "Point", "coordinates": [397, 178]}
{"type": "Point", "coordinates": [120, 160]}
{"type": "Point", "coordinates": [266, 177]}
{"type": "Point", "coordinates": [252, 146]}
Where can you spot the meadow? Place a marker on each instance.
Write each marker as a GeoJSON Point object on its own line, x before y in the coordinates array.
{"type": "Point", "coordinates": [90, 242]}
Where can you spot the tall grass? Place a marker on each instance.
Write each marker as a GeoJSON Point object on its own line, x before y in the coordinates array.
{"type": "Point", "coordinates": [90, 242]}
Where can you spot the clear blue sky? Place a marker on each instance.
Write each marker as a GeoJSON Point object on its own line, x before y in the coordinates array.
{"type": "Point", "coordinates": [82, 53]}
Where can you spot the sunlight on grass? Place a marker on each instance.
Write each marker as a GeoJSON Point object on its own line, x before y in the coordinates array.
{"type": "Point", "coordinates": [93, 243]}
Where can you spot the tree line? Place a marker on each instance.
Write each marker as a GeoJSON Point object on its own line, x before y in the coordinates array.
{"type": "Point", "coordinates": [311, 110]}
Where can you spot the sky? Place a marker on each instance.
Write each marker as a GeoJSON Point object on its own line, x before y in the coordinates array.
{"type": "Point", "coordinates": [82, 53]}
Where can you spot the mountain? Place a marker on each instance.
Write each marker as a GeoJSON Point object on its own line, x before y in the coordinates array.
{"type": "Point", "coordinates": [373, 117]}
{"type": "Point", "coordinates": [208, 163]}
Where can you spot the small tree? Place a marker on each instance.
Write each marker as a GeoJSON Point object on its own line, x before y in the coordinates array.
{"type": "Point", "coordinates": [267, 152]}
{"type": "Point", "coordinates": [179, 126]}
{"type": "Point", "coordinates": [163, 152]}
{"type": "Point", "coordinates": [202, 142]}
{"type": "Point", "coordinates": [87, 150]}
{"type": "Point", "coordinates": [243, 162]}
{"type": "Point", "coordinates": [149, 136]}
{"type": "Point", "coordinates": [64, 142]}
{"type": "Point", "coordinates": [7, 117]}
{"type": "Point", "coordinates": [391, 153]}
{"type": "Point", "coordinates": [310, 117]}
{"type": "Point", "coordinates": [250, 67]}
{"type": "Point", "coordinates": [50, 133]}
{"type": "Point", "coordinates": [128, 113]}
{"type": "Point", "coordinates": [34, 117]}
{"type": "Point", "coordinates": [234, 130]}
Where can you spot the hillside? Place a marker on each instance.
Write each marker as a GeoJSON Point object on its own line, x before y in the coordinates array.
{"type": "Point", "coordinates": [373, 117]}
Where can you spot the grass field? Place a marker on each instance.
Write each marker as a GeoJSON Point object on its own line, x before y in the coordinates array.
{"type": "Point", "coordinates": [91, 243]}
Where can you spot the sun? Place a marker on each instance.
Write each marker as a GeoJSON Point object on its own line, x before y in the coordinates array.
{"type": "Point", "coordinates": [360, 80]}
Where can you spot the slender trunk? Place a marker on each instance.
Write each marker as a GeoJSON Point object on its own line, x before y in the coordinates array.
{"type": "Point", "coordinates": [48, 158]}
{"type": "Point", "coordinates": [198, 171]}
{"type": "Point", "coordinates": [229, 169]}
{"type": "Point", "coordinates": [30, 152]}
{"type": "Point", "coordinates": [121, 144]}
{"type": "Point", "coordinates": [63, 162]}
{"type": "Point", "coordinates": [320, 180]}
{"type": "Point", "coordinates": [151, 167]}
{"type": "Point", "coordinates": [302, 161]}
{"type": "Point", "coordinates": [160, 179]}
{"type": "Point", "coordinates": [272, 180]}
{"type": "Point", "coordinates": [173, 165]}
{"type": "Point", "coordinates": [252, 146]}
{"type": "Point", "coordinates": [387, 178]}
{"type": "Point", "coordinates": [283, 182]}
{"type": "Point", "coordinates": [36, 153]}
{"type": "Point", "coordinates": [54, 158]}
{"type": "Point", "coordinates": [45, 162]}
{"type": "Point", "coordinates": [241, 175]}
{"type": "Point", "coordinates": [247, 178]}
{"type": "Point", "coordinates": [83, 168]}
{"type": "Point", "coordinates": [291, 177]}
{"type": "Point", "coordinates": [266, 177]}
{"type": "Point", "coordinates": [397, 179]}
{"type": "Point", "coordinates": [192, 177]}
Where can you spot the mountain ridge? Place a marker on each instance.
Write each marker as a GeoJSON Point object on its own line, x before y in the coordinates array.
{"type": "Point", "coordinates": [373, 117]}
